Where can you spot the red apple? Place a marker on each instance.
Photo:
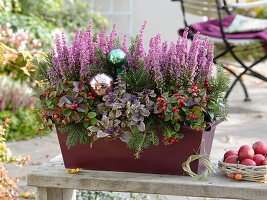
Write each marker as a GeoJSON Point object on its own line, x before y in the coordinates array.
{"type": "Point", "coordinates": [233, 159]}
{"type": "Point", "coordinates": [259, 158]}
{"type": "Point", "coordinates": [260, 147]}
{"type": "Point", "coordinates": [229, 153]}
{"type": "Point", "coordinates": [264, 162]}
{"type": "Point", "coordinates": [245, 151]}
{"type": "Point", "coordinates": [248, 162]}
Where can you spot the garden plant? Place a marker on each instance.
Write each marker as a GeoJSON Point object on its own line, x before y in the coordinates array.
{"type": "Point", "coordinates": [8, 188]}
{"type": "Point", "coordinates": [98, 87]}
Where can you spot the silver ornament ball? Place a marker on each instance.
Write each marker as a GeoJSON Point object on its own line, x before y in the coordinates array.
{"type": "Point", "coordinates": [101, 84]}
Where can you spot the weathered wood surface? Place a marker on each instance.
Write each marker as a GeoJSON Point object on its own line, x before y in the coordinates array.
{"type": "Point", "coordinates": [53, 175]}
{"type": "Point", "coordinates": [55, 194]}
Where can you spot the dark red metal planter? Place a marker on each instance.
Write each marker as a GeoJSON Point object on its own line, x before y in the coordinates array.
{"type": "Point", "coordinates": [162, 159]}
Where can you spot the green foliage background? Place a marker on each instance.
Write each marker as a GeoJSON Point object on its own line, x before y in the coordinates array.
{"type": "Point", "coordinates": [22, 124]}
{"type": "Point", "coordinates": [42, 17]}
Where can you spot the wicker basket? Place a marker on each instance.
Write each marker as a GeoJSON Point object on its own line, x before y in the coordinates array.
{"type": "Point", "coordinates": [249, 173]}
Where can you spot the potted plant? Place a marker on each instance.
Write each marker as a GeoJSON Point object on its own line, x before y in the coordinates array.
{"type": "Point", "coordinates": [120, 108]}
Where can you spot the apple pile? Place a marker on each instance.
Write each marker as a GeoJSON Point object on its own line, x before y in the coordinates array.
{"type": "Point", "coordinates": [247, 155]}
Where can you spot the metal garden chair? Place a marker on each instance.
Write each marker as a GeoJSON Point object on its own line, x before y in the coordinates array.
{"type": "Point", "coordinates": [218, 9]}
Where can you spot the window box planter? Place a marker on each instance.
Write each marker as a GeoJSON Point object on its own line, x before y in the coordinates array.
{"type": "Point", "coordinates": [113, 155]}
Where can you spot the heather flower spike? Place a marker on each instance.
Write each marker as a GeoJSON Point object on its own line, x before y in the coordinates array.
{"type": "Point", "coordinates": [163, 61]}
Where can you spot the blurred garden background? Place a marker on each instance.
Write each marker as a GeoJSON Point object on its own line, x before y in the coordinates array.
{"type": "Point", "coordinates": [27, 29]}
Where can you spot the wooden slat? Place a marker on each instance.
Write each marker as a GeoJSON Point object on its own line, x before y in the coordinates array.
{"type": "Point", "coordinates": [206, 8]}
{"type": "Point", "coordinates": [202, 1]}
{"type": "Point", "coordinates": [210, 13]}
{"type": "Point", "coordinates": [200, 4]}
{"type": "Point", "coordinates": [53, 175]}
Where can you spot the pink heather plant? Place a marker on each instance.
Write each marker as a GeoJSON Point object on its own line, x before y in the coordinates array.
{"type": "Point", "coordinates": [176, 63]}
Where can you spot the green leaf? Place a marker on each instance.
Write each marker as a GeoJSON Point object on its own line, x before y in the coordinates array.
{"type": "Point", "coordinates": [87, 108]}
{"type": "Point", "coordinates": [176, 116]}
{"type": "Point", "coordinates": [86, 124]}
{"type": "Point", "coordinates": [194, 126]}
{"type": "Point", "coordinates": [39, 105]}
{"type": "Point", "coordinates": [175, 135]}
{"type": "Point", "coordinates": [167, 117]}
{"type": "Point", "coordinates": [177, 127]}
{"type": "Point", "coordinates": [91, 115]}
{"type": "Point", "coordinates": [68, 112]}
{"type": "Point", "coordinates": [180, 136]}
{"type": "Point", "coordinates": [93, 122]}
{"type": "Point", "coordinates": [197, 111]}
{"type": "Point", "coordinates": [53, 94]}
{"type": "Point", "coordinates": [172, 88]}
{"type": "Point", "coordinates": [48, 102]}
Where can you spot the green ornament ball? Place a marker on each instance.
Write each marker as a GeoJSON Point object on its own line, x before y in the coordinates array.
{"type": "Point", "coordinates": [116, 57]}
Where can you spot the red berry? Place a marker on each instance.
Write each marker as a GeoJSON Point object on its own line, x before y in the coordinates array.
{"type": "Point", "coordinates": [193, 116]}
{"type": "Point", "coordinates": [87, 119]}
{"type": "Point", "coordinates": [90, 94]}
{"type": "Point", "coordinates": [74, 106]}
{"type": "Point", "coordinates": [59, 95]}
{"type": "Point", "coordinates": [160, 100]}
{"type": "Point", "coordinates": [56, 116]}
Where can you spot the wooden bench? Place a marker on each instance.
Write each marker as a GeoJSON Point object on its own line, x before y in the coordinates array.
{"type": "Point", "coordinates": [54, 183]}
